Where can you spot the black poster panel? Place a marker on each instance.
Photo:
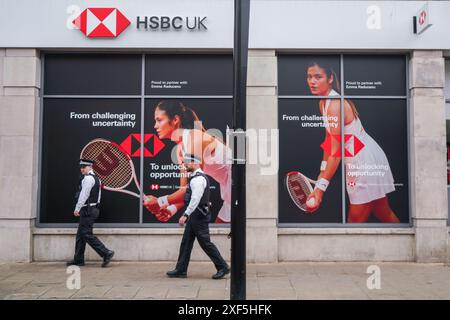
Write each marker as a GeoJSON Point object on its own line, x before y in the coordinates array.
{"type": "Point", "coordinates": [92, 74]}
{"type": "Point", "coordinates": [193, 75]}
{"type": "Point", "coordinates": [298, 75]}
{"type": "Point", "coordinates": [377, 166]}
{"type": "Point", "coordinates": [303, 142]}
{"type": "Point", "coordinates": [375, 75]}
{"type": "Point", "coordinates": [162, 175]}
{"type": "Point", "coordinates": [70, 124]}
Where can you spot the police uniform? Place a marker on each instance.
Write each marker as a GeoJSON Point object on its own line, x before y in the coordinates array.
{"type": "Point", "coordinates": [88, 201]}
{"type": "Point", "coordinates": [196, 201]}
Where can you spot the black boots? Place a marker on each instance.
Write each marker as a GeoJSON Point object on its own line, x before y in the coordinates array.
{"type": "Point", "coordinates": [176, 274]}
{"type": "Point", "coordinates": [107, 258]}
{"type": "Point", "coordinates": [221, 273]}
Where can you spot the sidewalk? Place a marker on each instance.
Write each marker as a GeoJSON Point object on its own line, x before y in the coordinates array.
{"type": "Point", "coordinates": [147, 280]}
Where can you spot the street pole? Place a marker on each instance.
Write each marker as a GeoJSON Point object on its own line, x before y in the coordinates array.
{"type": "Point", "coordinates": [238, 209]}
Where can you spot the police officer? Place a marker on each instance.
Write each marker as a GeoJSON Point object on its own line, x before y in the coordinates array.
{"type": "Point", "coordinates": [87, 209]}
{"type": "Point", "coordinates": [196, 218]}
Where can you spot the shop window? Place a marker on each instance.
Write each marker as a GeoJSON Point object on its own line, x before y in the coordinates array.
{"type": "Point", "coordinates": [96, 105]}
{"type": "Point", "coordinates": [363, 99]}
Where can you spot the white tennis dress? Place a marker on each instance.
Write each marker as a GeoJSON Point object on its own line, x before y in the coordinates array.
{"type": "Point", "coordinates": [368, 174]}
{"type": "Point", "coordinates": [218, 167]}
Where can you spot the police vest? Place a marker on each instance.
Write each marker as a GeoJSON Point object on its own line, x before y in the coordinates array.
{"type": "Point", "coordinates": [203, 205]}
{"type": "Point", "coordinates": [94, 194]}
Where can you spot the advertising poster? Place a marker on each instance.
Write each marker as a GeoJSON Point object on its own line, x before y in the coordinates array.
{"type": "Point", "coordinates": [71, 121]}
{"type": "Point", "coordinates": [176, 120]}
{"type": "Point", "coordinates": [375, 139]}
{"type": "Point", "coordinates": [92, 74]}
{"type": "Point", "coordinates": [83, 118]}
{"type": "Point", "coordinates": [309, 134]}
{"type": "Point", "coordinates": [375, 75]}
{"type": "Point", "coordinates": [377, 164]}
{"type": "Point", "coordinates": [162, 176]}
{"type": "Point", "coordinates": [189, 75]}
{"type": "Point", "coordinates": [70, 124]}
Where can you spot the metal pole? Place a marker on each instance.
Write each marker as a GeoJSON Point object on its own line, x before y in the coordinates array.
{"type": "Point", "coordinates": [238, 210]}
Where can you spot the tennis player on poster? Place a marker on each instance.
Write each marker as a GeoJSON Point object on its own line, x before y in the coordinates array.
{"type": "Point", "coordinates": [367, 192]}
{"type": "Point", "coordinates": [175, 121]}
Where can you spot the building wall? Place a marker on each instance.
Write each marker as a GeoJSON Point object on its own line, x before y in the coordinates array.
{"type": "Point", "coordinates": [428, 150]}
{"type": "Point", "coordinates": [427, 240]}
{"type": "Point", "coordinates": [19, 132]}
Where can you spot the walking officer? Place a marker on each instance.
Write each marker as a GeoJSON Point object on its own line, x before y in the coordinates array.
{"type": "Point", "coordinates": [87, 209]}
{"type": "Point", "coordinates": [196, 218]}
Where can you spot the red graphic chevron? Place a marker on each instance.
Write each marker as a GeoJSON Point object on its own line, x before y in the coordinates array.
{"type": "Point", "coordinates": [152, 145]}
{"type": "Point", "coordinates": [352, 145]}
{"type": "Point", "coordinates": [101, 22]}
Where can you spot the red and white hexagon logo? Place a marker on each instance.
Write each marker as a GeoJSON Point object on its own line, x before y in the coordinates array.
{"type": "Point", "coordinates": [422, 17]}
{"type": "Point", "coordinates": [101, 22]}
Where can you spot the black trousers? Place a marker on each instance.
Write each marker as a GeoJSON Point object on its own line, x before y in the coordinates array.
{"type": "Point", "coordinates": [85, 234]}
{"type": "Point", "coordinates": [197, 227]}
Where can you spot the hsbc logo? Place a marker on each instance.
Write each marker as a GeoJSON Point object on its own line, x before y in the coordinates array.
{"type": "Point", "coordinates": [154, 186]}
{"type": "Point", "coordinates": [101, 22]}
{"type": "Point", "coordinates": [152, 145]}
{"type": "Point", "coordinates": [422, 20]}
{"type": "Point", "coordinates": [352, 145]}
{"type": "Point", "coordinates": [422, 17]}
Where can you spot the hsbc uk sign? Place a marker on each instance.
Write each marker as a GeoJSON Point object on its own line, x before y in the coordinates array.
{"type": "Point", "coordinates": [111, 22]}
{"type": "Point", "coordinates": [167, 23]}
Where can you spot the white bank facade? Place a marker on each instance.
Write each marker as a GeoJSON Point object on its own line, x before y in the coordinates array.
{"type": "Point", "coordinates": [129, 51]}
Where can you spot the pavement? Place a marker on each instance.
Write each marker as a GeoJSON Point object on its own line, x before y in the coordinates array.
{"type": "Point", "coordinates": [303, 281]}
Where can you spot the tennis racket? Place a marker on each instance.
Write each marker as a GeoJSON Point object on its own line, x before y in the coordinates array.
{"type": "Point", "coordinates": [299, 188]}
{"type": "Point", "coordinates": [112, 165]}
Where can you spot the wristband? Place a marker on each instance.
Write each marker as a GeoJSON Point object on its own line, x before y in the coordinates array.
{"type": "Point", "coordinates": [322, 184]}
{"type": "Point", "coordinates": [323, 165]}
{"type": "Point", "coordinates": [163, 202]}
{"type": "Point", "coordinates": [172, 208]}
